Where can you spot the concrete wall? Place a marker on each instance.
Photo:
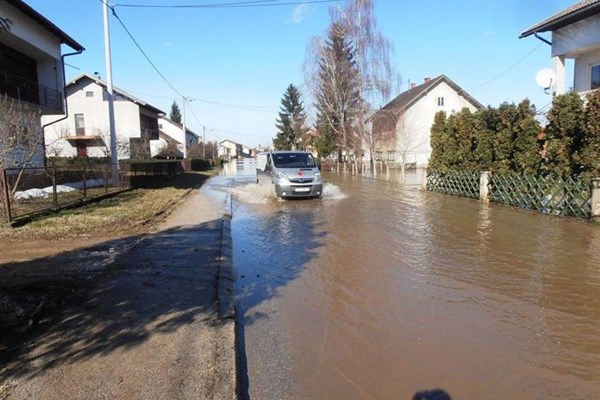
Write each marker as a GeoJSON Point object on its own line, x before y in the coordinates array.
{"type": "Point", "coordinates": [575, 37]}
{"type": "Point", "coordinates": [579, 41]}
{"type": "Point", "coordinates": [583, 69]}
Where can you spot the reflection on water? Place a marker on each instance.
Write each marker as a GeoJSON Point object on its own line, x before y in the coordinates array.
{"type": "Point", "coordinates": [387, 291]}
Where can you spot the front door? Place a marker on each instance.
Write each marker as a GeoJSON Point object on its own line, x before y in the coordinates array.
{"type": "Point", "coordinates": [82, 150]}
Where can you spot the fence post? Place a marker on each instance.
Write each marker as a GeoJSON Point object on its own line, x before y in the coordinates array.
{"type": "Point", "coordinates": [54, 192]}
{"type": "Point", "coordinates": [5, 195]}
{"type": "Point", "coordinates": [84, 182]}
{"type": "Point", "coordinates": [106, 179]}
{"type": "Point", "coordinates": [484, 181]}
{"type": "Point", "coordinates": [595, 216]}
{"type": "Point", "coordinates": [424, 180]}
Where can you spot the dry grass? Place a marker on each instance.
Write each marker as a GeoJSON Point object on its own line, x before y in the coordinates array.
{"type": "Point", "coordinates": [132, 212]}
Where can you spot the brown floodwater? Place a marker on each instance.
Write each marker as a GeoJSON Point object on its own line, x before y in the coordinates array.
{"type": "Point", "coordinates": [376, 292]}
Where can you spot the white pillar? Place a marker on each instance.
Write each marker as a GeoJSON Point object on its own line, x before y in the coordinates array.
{"type": "Point", "coordinates": [484, 181]}
{"type": "Point", "coordinates": [111, 108]}
{"type": "Point", "coordinates": [559, 70]}
{"type": "Point", "coordinates": [596, 199]}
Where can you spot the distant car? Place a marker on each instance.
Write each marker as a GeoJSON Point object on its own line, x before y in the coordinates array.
{"type": "Point", "coordinates": [294, 173]}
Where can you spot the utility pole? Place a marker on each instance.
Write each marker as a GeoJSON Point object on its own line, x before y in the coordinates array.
{"type": "Point", "coordinates": [184, 129]}
{"type": "Point", "coordinates": [204, 142]}
{"type": "Point", "coordinates": [114, 161]}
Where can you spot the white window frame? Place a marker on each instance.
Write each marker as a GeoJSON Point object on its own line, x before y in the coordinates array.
{"type": "Point", "coordinates": [440, 101]}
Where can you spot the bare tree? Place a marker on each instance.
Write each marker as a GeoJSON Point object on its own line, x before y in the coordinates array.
{"type": "Point", "coordinates": [369, 59]}
{"type": "Point", "coordinates": [21, 139]}
{"type": "Point", "coordinates": [373, 53]}
{"type": "Point", "coordinates": [335, 86]}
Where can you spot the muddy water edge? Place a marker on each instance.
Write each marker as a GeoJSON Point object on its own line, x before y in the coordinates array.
{"type": "Point", "coordinates": [376, 292]}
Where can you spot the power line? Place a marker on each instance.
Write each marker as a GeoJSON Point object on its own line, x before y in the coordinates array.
{"type": "Point", "coordinates": [141, 50]}
{"type": "Point", "coordinates": [243, 4]}
{"type": "Point", "coordinates": [508, 69]}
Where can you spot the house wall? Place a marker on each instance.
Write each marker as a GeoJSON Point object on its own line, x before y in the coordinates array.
{"type": "Point", "coordinates": [579, 35]}
{"type": "Point", "coordinates": [414, 127]}
{"type": "Point", "coordinates": [95, 111]}
{"type": "Point", "coordinates": [170, 129]}
{"type": "Point", "coordinates": [174, 131]}
{"type": "Point", "coordinates": [227, 149]}
{"type": "Point", "coordinates": [583, 69]}
{"type": "Point", "coordinates": [33, 40]}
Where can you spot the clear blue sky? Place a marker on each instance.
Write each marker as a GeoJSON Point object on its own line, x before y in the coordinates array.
{"type": "Point", "coordinates": [237, 62]}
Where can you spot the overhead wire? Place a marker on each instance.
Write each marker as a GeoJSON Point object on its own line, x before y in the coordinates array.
{"type": "Point", "coordinates": [506, 70]}
{"type": "Point", "coordinates": [185, 98]}
{"type": "Point", "coordinates": [141, 50]}
{"type": "Point", "coordinates": [243, 4]}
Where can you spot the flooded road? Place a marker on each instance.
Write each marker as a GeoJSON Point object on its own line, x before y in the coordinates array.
{"type": "Point", "coordinates": [376, 292]}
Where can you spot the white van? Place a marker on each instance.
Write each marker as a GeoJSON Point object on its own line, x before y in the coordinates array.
{"type": "Point", "coordinates": [294, 173]}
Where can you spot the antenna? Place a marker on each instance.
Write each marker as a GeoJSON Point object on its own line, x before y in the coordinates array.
{"type": "Point", "coordinates": [546, 79]}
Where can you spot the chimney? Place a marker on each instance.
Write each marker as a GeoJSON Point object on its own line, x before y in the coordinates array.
{"type": "Point", "coordinates": [427, 79]}
{"type": "Point", "coordinates": [413, 85]}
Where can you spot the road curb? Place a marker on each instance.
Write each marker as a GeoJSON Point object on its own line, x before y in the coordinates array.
{"type": "Point", "coordinates": [226, 305]}
{"type": "Point", "coordinates": [226, 274]}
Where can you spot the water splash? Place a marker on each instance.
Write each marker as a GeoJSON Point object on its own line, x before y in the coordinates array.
{"type": "Point", "coordinates": [333, 192]}
{"type": "Point", "coordinates": [264, 193]}
{"type": "Point", "coordinates": [254, 193]}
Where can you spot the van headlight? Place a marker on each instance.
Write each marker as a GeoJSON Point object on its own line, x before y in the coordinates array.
{"type": "Point", "coordinates": [317, 177]}
{"type": "Point", "coordinates": [282, 178]}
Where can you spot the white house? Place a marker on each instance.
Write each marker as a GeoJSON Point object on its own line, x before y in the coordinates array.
{"type": "Point", "coordinates": [85, 132]}
{"type": "Point", "coordinates": [575, 35]}
{"type": "Point", "coordinates": [228, 149]}
{"type": "Point", "coordinates": [171, 133]}
{"type": "Point", "coordinates": [31, 81]}
{"type": "Point", "coordinates": [401, 128]}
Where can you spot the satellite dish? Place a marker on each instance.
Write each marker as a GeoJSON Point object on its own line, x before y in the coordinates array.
{"type": "Point", "coordinates": [545, 78]}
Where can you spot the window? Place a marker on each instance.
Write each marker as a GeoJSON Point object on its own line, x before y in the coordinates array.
{"type": "Point", "coordinates": [89, 94]}
{"type": "Point", "coordinates": [79, 125]}
{"type": "Point", "coordinates": [391, 155]}
{"type": "Point", "coordinates": [595, 81]}
{"type": "Point", "coordinates": [440, 101]}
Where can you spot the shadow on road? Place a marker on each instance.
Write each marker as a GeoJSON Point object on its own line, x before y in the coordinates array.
{"type": "Point", "coordinates": [114, 296]}
{"type": "Point", "coordinates": [270, 252]}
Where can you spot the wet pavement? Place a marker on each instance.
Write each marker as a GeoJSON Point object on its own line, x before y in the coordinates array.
{"type": "Point", "coordinates": [377, 292]}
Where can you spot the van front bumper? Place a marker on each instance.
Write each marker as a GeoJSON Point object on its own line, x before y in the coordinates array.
{"type": "Point", "coordinates": [296, 190]}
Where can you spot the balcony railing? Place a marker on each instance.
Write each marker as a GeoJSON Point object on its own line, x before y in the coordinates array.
{"type": "Point", "coordinates": [23, 89]}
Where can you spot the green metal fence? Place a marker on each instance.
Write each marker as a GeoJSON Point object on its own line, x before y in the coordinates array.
{"type": "Point", "coordinates": [564, 197]}
{"type": "Point", "coordinates": [454, 183]}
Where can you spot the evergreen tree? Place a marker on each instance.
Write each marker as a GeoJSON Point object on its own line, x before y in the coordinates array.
{"type": "Point", "coordinates": [486, 121]}
{"type": "Point", "coordinates": [291, 121]}
{"type": "Point", "coordinates": [175, 114]}
{"type": "Point", "coordinates": [465, 139]}
{"type": "Point", "coordinates": [504, 138]}
{"type": "Point", "coordinates": [590, 159]}
{"type": "Point", "coordinates": [564, 136]}
{"type": "Point", "coordinates": [438, 132]}
{"type": "Point", "coordinates": [325, 142]}
{"type": "Point", "coordinates": [526, 154]}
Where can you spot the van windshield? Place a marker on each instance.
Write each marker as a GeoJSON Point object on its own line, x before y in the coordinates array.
{"type": "Point", "coordinates": [294, 160]}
